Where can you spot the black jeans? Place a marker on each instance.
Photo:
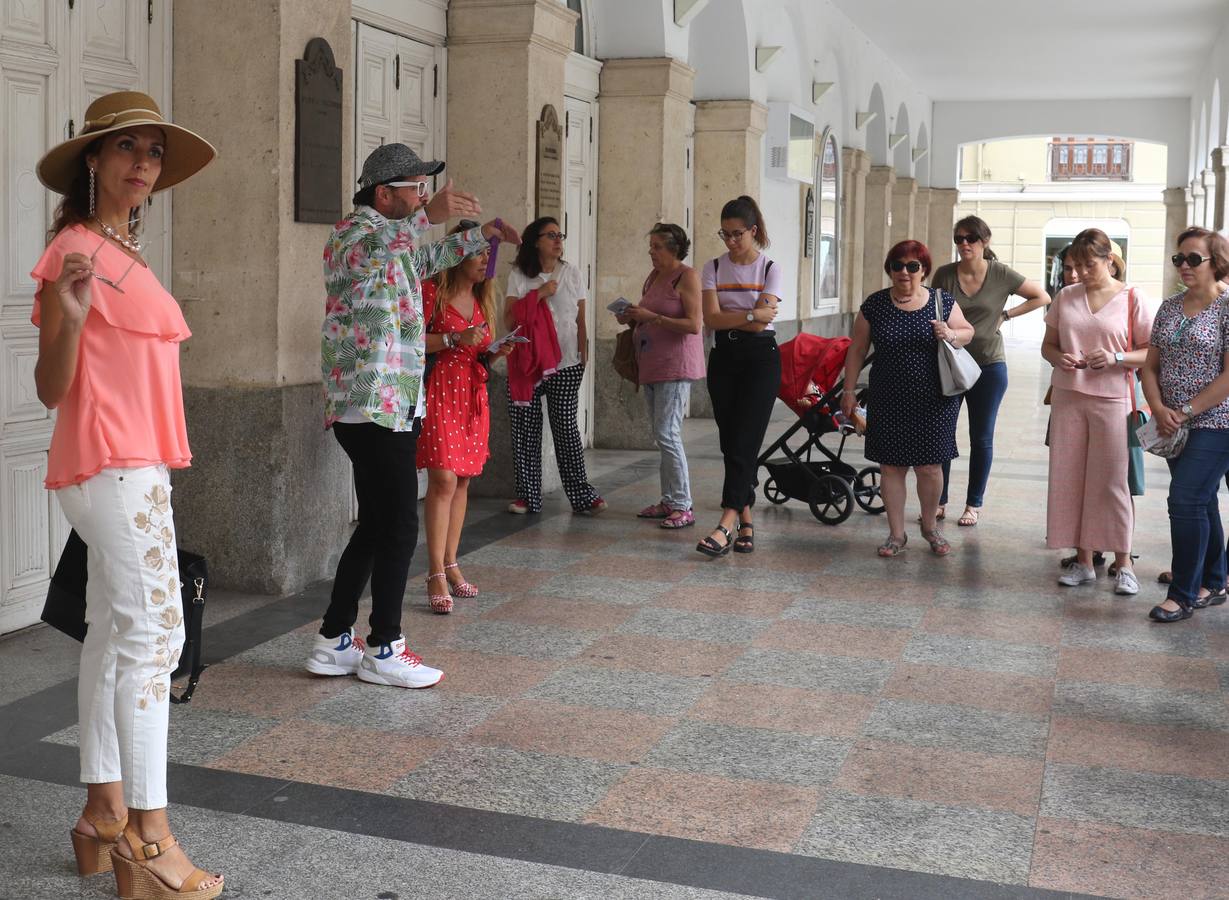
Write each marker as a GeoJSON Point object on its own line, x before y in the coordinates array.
{"type": "Point", "coordinates": [382, 545]}
{"type": "Point", "coordinates": [744, 372]}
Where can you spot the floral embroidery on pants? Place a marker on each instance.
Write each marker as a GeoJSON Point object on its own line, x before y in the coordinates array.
{"type": "Point", "coordinates": [159, 558]}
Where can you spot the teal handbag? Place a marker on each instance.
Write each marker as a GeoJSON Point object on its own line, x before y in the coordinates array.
{"type": "Point", "coordinates": [1136, 417]}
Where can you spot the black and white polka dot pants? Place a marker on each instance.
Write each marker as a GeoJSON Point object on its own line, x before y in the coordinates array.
{"type": "Point", "coordinates": [562, 391]}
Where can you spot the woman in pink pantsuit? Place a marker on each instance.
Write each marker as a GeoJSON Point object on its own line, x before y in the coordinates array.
{"type": "Point", "coordinates": [1094, 334]}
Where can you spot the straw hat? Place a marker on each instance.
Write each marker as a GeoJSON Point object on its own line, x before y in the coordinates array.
{"type": "Point", "coordinates": [186, 152]}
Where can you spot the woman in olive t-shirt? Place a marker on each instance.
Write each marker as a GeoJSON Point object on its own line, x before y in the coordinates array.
{"type": "Point", "coordinates": [982, 285]}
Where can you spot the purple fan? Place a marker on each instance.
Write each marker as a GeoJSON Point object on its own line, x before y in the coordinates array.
{"type": "Point", "coordinates": [494, 242]}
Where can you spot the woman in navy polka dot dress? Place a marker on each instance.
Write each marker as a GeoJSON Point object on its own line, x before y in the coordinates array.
{"type": "Point", "coordinates": [910, 423]}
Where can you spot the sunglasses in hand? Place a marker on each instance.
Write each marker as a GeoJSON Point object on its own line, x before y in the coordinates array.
{"type": "Point", "coordinates": [115, 283]}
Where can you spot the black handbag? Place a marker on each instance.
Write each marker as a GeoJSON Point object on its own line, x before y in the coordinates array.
{"type": "Point", "coordinates": [65, 606]}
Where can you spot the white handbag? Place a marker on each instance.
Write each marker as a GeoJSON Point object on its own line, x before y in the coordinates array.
{"type": "Point", "coordinates": [958, 371]}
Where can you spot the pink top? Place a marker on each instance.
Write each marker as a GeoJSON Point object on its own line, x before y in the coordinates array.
{"type": "Point", "coordinates": [125, 406]}
{"type": "Point", "coordinates": [1081, 331]}
{"type": "Point", "coordinates": [661, 353]}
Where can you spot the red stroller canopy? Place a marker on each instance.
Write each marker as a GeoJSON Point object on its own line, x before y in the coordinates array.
{"type": "Point", "coordinates": [810, 360]}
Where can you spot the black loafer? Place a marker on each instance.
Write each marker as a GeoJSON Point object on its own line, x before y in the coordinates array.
{"type": "Point", "coordinates": [1160, 614]}
{"type": "Point", "coordinates": [1214, 599]}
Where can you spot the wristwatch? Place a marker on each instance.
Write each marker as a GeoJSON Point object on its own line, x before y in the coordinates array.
{"type": "Point", "coordinates": [1119, 357]}
{"type": "Point", "coordinates": [750, 316]}
{"type": "Point", "coordinates": [448, 340]}
{"type": "Point", "coordinates": [1187, 410]}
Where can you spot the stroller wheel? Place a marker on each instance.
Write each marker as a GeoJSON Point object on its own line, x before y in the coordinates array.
{"type": "Point", "coordinates": [773, 493]}
{"type": "Point", "coordinates": [831, 499]}
{"type": "Point", "coordinates": [866, 490]}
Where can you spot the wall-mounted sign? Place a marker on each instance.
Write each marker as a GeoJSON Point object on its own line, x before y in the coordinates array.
{"type": "Point", "coordinates": [548, 187]}
{"type": "Point", "coordinates": [317, 135]}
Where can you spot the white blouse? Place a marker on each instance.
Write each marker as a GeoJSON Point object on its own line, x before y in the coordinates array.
{"type": "Point", "coordinates": [563, 305]}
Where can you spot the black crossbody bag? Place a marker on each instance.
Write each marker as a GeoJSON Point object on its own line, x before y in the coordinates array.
{"type": "Point", "coordinates": [65, 606]}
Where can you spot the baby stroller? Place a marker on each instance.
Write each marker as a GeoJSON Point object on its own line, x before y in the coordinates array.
{"type": "Point", "coordinates": [812, 370]}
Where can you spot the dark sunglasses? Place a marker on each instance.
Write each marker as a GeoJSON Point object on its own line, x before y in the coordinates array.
{"type": "Point", "coordinates": [912, 266]}
{"type": "Point", "coordinates": [1193, 260]}
{"type": "Point", "coordinates": [553, 235]}
{"type": "Point", "coordinates": [966, 239]}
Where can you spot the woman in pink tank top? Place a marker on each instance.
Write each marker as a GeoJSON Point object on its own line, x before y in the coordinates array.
{"type": "Point", "coordinates": [670, 356]}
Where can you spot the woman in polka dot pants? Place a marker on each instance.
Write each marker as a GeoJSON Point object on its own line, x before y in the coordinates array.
{"type": "Point", "coordinates": [539, 266]}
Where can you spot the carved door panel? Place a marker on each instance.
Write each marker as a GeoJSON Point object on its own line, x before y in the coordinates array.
{"type": "Point", "coordinates": [53, 61]}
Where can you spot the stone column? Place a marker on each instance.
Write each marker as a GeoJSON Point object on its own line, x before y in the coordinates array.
{"type": "Point", "coordinates": [267, 498]}
{"type": "Point", "coordinates": [921, 217]}
{"type": "Point", "coordinates": [1176, 212]}
{"type": "Point", "coordinates": [1208, 179]}
{"type": "Point", "coordinates": [904, 224]}
{"type": "Point", "coordinates": [942, 216]}
{"type": "Point", "coordinates": [643, 161]}
{"type": "Point", "coordinates": [855, 165]}
{"type": "Point", "coordinates": [880, 183]}
{"type": "Point", "coordinates": [727, 163]}
{"type": "Point", "coordinates": [1220, 161]}
{"type": "Point", "coordinates": [1198, 204]}
{"type": "Point", "coordinates": [515, 51]}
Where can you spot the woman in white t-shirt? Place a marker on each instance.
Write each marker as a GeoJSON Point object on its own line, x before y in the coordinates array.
{"type": "Point", "coordinates": [740, 293]}
{"type": "Point", "coordinates": [539, 266]}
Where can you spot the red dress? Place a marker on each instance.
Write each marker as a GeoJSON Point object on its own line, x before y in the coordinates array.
{"type": "Point", "coordinates": [457, 427]}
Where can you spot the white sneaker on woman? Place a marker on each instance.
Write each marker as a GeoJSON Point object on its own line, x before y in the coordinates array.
{"type": "Point", "coordinates": [1127, 583]}
{"type": "Point", "coordinates": [1077, 574]}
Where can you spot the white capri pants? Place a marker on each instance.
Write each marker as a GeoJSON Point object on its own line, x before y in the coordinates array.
{"type": "Point", "coordinates": [132, 605]}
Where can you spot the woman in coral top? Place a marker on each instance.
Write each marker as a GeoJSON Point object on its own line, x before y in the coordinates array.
{"type": "Point", "coordinates": [108, 362]}
{"type": "Point", "coordinates": [455, 440]}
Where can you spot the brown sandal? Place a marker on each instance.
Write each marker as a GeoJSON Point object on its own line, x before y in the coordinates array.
{"type": "Point", "coordinates": [93, 851]}
{"type": "Point", "coordinates": [134, 880]}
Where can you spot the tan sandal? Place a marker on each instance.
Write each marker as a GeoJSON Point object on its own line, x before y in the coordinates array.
{"type": "Point", "coordinates": [135, 880]}
{"type": "Point", "coordinates": [892, 547]}
{"type": "Point", "coordinates": [970, 517]}
{"type": "Point", "coordinates": [938, 543]}
{"type": "Point", "coordinates": [93, 851]}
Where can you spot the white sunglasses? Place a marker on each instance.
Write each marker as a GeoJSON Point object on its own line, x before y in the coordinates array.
{"type": "Point", "coordinates": [420, 187]}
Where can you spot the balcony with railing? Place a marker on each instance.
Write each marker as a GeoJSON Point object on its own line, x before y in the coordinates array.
{"type": "Point", "coordinates": [1090, 159]}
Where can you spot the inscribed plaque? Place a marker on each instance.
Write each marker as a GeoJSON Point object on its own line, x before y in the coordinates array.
{"type": "Point", "coordinates": [317, 135]}
{"type": "Point", "coordinates": [548, 188]}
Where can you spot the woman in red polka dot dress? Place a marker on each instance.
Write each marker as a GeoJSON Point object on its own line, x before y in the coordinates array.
{"type": "Point", "coordinates": [454, 444]}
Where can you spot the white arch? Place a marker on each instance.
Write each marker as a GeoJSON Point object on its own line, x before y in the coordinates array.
{"type": "Point", "coordinates": [1201, 154]}
{"type": "Point", "coordinates": [720, 51]}
{"type": "Point", "coordinates": [1214, 120]}
{"type": "Point", "coordinates": [902, 155]}
{"type": "Point", "coordinates": [877, 129]}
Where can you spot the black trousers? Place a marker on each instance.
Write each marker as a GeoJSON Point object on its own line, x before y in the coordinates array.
{"type": "Point", "coordinates": [382, 546]}
{"type": "Point", "coordinates": [744, 372]}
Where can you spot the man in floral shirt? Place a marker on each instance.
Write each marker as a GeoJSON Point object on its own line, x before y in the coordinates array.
{"type": "Point", "coordinates": [373, 352]}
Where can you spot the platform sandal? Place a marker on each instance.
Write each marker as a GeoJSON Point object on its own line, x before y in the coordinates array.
{"type": "Point", "coordinates": [464, 590]}
{"type": "Point", "coordinates": [93, 851]}
{"type": "Point", "coordinates": [745, 544]}
{"type": "Point", "coordinates": [710, 547]}
{"type": "Point", "coordinates": [134, 880]}
{"type": "Point", "coordinates": [439, 603]}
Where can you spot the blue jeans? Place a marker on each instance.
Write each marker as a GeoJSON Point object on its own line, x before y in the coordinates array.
{"type": "Point", "coordinates": [666, 401]}
{"type": "Point", "coordinates": [983, 400]}
{"type": "Point", "coordinates": [1195, 531]}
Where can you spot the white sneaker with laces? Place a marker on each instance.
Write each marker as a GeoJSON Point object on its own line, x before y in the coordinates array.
{"type": "Point", "coordinates": [1077, 574]}
{"type": "Point", "coordinates": [393, 664]}
{"type": "Point", "coordinates": [1127, 583]}
{"type": "Point", "coordinates": [336, 656]}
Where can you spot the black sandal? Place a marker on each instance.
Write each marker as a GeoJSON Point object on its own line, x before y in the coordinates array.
{"type": "Point", "coordinates": [1215, 598]}
{"type": "Point", "coordinates": [1161, 614]}
{"type": "Point", "coordinates": [710, 547]}
{"type": "Point", "coordinates": [745, 544]}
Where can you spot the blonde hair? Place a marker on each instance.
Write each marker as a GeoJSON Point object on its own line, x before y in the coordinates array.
{"type": "Point", "coordinates": [446, 285]}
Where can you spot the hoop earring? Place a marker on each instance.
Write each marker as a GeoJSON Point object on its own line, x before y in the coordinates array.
{"type": "Point", "coordinates": [91, 193]}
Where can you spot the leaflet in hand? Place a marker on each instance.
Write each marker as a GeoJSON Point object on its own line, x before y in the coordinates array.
{"type": "Point", "coordinates": [510, 338]}
{"type": "Point", "coordinates": [619, 306]}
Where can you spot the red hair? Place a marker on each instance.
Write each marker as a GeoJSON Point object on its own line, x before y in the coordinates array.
{"type": "Point", "coordinates": [915, 249]}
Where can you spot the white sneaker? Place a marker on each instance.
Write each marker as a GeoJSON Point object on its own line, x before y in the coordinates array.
{"type": "Point", "coordinates": [1127, 582]}
{"type": "Point", "coordinates": [394, 664]}
{"type": "Point", "coordinates": [1077, 574]}
{"type": "Point", "coordinates": [336, 656]}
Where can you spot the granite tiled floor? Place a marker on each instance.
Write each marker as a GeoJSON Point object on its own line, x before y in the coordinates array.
{"type": "Point", "coordinates": [963, 717]}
